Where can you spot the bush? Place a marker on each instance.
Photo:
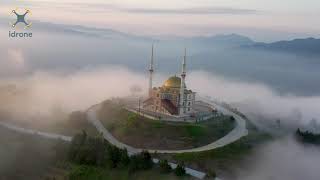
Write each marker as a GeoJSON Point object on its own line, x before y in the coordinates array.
{"type": "Point", "coordinates": [131, 121]}
{"type": "Point", "coordinates": [180, 170]}
{"type": "Point", "coordinates": [308, 137]}
{"type": "Point", "coordinates": [212, 174]}
{"type": "Point", "coordinates": [124, 158]}
{"type": "Point", "coordinates": [82, 172]}
{"type": "Point", "coordinates": [142, 161]}
{"type": "Point", "coordinates": [164, 166]}
{"type": "Point", "coordinates": [114, 156]}
{"type": "Point", "coordinates": [96, 151]}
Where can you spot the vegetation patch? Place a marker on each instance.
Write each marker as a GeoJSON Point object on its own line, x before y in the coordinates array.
{"type": "Point", "coordinates": [94, 158]}
{"type": "Point", "coordinates": [141, 132]}
{"type": "Point", "coordinates": [224, 159]}
{"type": "Point", "coordinates": [308, 137]}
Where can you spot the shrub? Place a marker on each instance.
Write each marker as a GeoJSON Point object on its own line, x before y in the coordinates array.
{"type": "Point", "coordinates": [212, 174]}
{"type": "Point", "coordinates": [88, 150]}
{"type": "Point", "coordinates": [308, 137]}
{"type": "Point", "coordinates": [164, 166]}
{"type": "Point", "coordinates": [124, 158]}
{"type": "Point", "coordinates": [142, 161]}
{"type": "Point", "coordinates": [81, 172]}
{"type": "Point", "coordinates": [180, 170]}
{"type": "Point", "coordinates": [131, 121]}
{"type": "Point", "coordinates": [114, 156]}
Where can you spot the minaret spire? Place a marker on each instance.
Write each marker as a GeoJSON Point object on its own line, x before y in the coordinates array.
{"type": "Point", "coordinates": [182, 87]}
{"type": "Point", "coordinates": [151, 70]}
{"type": "Point", "coordinates": [184, 62]}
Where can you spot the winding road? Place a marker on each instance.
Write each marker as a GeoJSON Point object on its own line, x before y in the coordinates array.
{"type": "Point", "coordinates": [35, 132]}
{"type": "Point", "coordinates": [238, 132]}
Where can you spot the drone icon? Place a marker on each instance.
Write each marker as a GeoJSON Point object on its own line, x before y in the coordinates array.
{"type": "Point", "coordinates": [21, 19]}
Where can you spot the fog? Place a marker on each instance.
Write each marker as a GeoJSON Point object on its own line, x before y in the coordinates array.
{"type": "Point", "coordinates": [42, 93]}
{"type": "Point", "coordinates": [255, 97]}
{"type": "Point", "coordinates": [283, 159]}
{"type": "Point", "coordinates": [61, 71]}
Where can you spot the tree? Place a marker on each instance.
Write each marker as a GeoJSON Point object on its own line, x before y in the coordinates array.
{"type": "Point", "coordinates": [88, 150]}
{"type": "Point", "coordinates": [114, 156]}
{"type": "Point", "coordinates": [124, 158]}
{"type": "Point", "coordinates": [180, 170]}
{"type": "Point", "coordinates": [147, 160]}
{"type": "Point", "coordinates": [141, 161]}
{"type": "Point", "coordinates": [212, 174]}
{"type": "Point", "coordinates": [76, 144]}
{"type": "Point", "coordinates": [164, 166]}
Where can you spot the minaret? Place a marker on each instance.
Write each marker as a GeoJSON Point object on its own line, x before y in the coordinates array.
{"type": "Point", "coordinates": [182, 88]}
{"type": "Point", "coordinates": [151, 73]}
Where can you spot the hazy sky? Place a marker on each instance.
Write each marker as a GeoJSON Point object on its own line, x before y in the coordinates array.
{"type": "Point", "coordinates": [263, 20]}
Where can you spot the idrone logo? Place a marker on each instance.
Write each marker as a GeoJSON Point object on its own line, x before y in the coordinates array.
{"type": "Point", "coordinates": [20, 19]}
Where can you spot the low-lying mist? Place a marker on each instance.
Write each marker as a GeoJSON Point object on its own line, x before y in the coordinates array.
{"type": "Point", "coordinates": [256, 98]}
{"type": "Point", "coordinates": [42, 95]}
{"type": "Point", "coordinates": [43, 92]}
{"type": "Point", "coordinates": [283, 159]}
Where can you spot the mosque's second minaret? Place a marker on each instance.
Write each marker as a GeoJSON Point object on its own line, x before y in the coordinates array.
{"type": "Point", "coordinates": [182, 87]}
{"type": "Point", "coordinates": [151, 70]}
{"type": "Point", "coordinates": [172, 98]}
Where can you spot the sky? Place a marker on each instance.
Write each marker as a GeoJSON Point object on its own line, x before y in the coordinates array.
{"type": "Point", "coordinates": [268, 20]}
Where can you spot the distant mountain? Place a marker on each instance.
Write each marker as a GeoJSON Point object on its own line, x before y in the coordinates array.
{"type": "Point", "coordinates": [88, 31]}
{"type": "Point", "coordinates": [230, 40]}
{"type": "Point", "coordinates": [308, 47]}
{"type": "Point", "coordinates": [225, 39]}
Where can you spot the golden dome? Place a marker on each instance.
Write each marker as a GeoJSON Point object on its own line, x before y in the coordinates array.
{"type": "Point", "coordinates": [173, 82]}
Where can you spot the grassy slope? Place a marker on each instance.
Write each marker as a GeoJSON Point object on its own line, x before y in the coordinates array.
{"type": "Point", "coordinates": [145, 133]}
{"type": "Point", "coordinates": [224, 159]}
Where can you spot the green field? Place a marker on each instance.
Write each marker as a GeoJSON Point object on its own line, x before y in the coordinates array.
{"type": "Point", "coordinates": [142, 132]}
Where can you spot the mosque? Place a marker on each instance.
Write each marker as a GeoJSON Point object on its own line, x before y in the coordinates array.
{"type": "Point", "coordinates": [172, 98]}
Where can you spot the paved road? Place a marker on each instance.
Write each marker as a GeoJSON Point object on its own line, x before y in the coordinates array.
{"type": "Point", "coordinates": [189, 171]}
{"type": "Point", "coordinates": [239, 131]}
{"type": "Point", "coordinates": [34, 132]}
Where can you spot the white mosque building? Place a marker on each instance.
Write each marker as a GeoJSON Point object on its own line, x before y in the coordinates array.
{"type": "Point", "coordinates": [172, 98]}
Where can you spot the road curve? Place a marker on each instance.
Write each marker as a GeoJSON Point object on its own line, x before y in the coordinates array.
{"type": "Point", "coordinates": [35, 132]}
{"type": "Point", "coordinates": [192, 172]}
{"type": "Point", "coordinates": [238, 132]}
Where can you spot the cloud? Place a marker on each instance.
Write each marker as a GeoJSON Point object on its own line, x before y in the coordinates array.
{"type": "Point", "coordinates": [283, 159]}
{"type": "Point", "coordinates": [91, 7]}
{"type": "Point", "coordinates": [12, 62]}
{"type": "Point", "coordinates": [196, 11]}
{"type": "Point", "coordinates": [40, 94]}
{"type": "Point", "coordinates": [254, 97]}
